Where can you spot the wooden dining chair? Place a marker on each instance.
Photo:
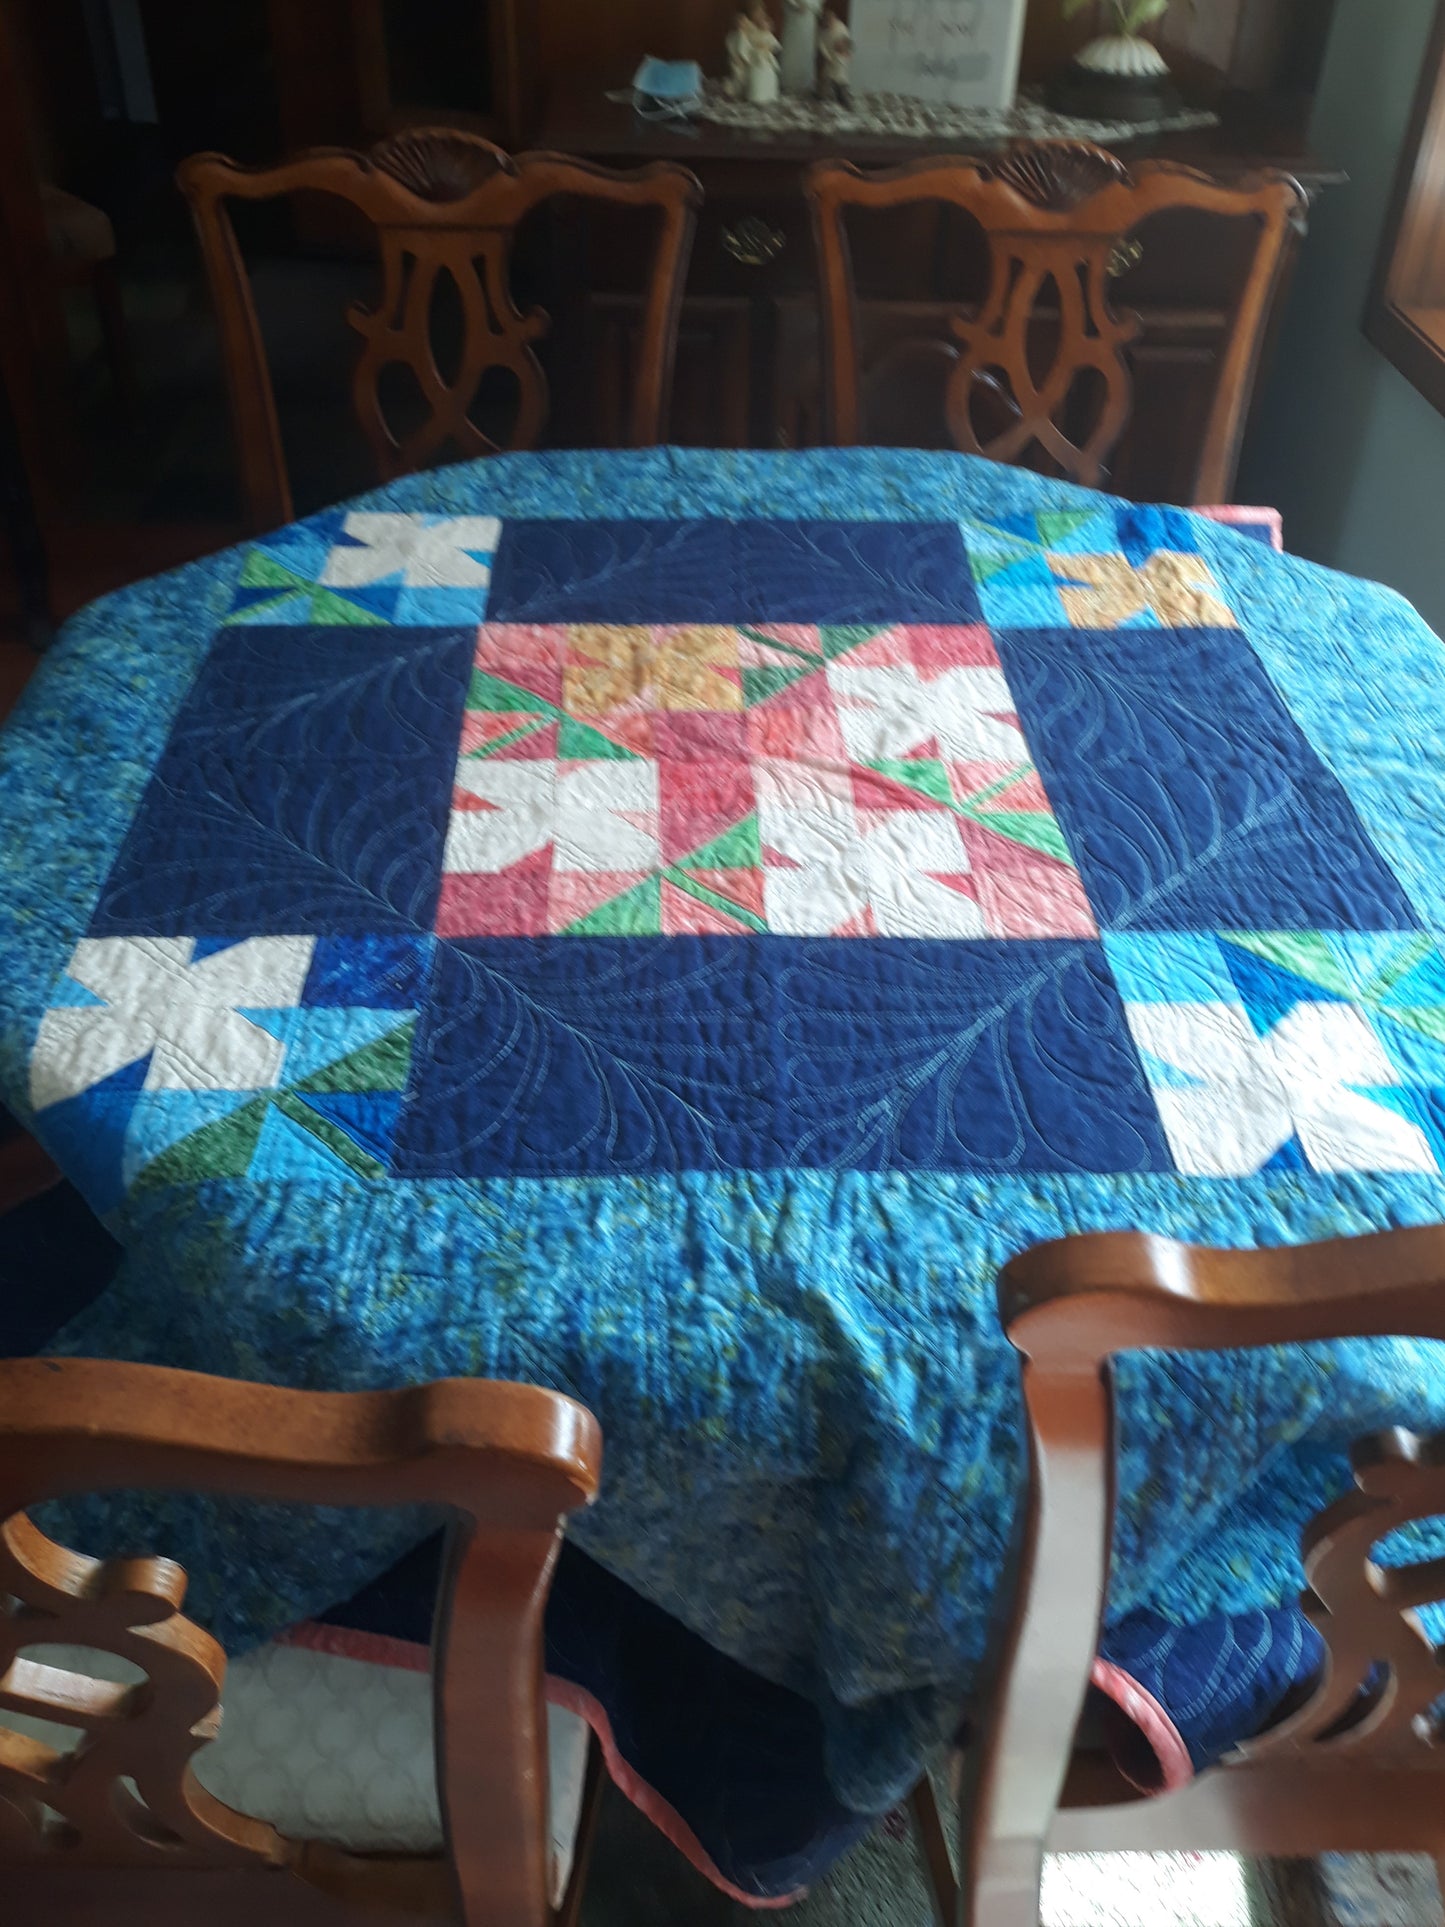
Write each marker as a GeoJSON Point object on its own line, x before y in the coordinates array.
{"type": "Point", "coordinates": [120, 1828]}
{"type": "Point", "coordinates": [1041, 375]}
{"type": "Point", "coordinates": [1357, 1767]}
{"type": "Point", "coordinates": [445, 205]}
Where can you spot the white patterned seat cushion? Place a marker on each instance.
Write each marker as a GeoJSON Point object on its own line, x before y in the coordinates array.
{"type": "Point", "coordinates": [337, 1750]}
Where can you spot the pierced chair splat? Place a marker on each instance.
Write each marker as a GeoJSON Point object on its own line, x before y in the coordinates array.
{"type": "Point", "coordinates": [1041, 373]}
{"type": "Point", "coordinates": [445, 205]}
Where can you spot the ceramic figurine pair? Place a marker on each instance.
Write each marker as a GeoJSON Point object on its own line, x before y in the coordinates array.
{"type": "Point", "coordinates": [753, 49]}
{"type": "Point", "coordinates": [812, 56]}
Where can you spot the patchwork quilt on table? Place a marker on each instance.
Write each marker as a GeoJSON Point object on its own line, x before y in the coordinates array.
{"type": "Point", "coordinates": [669, 926]}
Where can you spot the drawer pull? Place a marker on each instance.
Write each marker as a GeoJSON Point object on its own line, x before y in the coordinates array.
{"type": "Point", "coordinates": [1123, 256]}
{"type": "Point", "coordinates": [753, 242]}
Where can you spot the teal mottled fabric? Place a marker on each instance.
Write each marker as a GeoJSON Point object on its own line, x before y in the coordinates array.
{"type": "Point", "coordinates": [737, 1176]}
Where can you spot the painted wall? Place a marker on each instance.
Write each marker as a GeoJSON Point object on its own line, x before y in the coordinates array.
{"type": "Point", "coordinates": [1341, 442]}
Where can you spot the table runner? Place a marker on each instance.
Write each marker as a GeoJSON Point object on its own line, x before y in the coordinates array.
{"type": "Point", "coordinates": [668, 926]}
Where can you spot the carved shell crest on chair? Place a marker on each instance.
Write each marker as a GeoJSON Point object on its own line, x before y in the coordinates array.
{"type": "Point", "coordinates": [440, 163]}
{"type": "Point", "coordinates": [1060, 174]}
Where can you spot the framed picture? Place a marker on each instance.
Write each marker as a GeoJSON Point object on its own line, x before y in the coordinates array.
{"type": "Point", "coordinates": [964, 53]}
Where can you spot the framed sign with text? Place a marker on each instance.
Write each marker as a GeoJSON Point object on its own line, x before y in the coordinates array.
{"type": "Point", "coordinates": [962, 52]}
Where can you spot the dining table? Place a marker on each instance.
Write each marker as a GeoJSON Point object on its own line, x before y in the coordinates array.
{"type": "Point", "coordinates": [668, 925]}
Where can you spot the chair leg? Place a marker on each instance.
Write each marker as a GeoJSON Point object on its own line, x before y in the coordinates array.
{"type": "Point", "coordinates": [933, 1844]}
{"type": "Point", "coordinates": [592, 1789]}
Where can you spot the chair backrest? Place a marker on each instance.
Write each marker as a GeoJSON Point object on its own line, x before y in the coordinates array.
{"type": "Point", "coordinates": [505, 1461]}
{"type": "Point", "coordinates": [1043, 368]}
{"type": "Point", "coordinates": [443, 204]}
{"type": "Point", "coordinates": [1355, 1767]}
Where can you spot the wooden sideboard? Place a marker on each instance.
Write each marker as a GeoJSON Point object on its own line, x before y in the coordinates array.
{"type": "Point", "coordinates": [97, 493]}
{"type": "Point", "coordinates": [749, 362]}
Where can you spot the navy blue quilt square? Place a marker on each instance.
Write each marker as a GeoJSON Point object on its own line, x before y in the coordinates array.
{"type": "Point", "coordinates": [1190, 797]}
{"type": "Point", "coordinates": [305, 787]}
{"type": "Point", "coordinates": [814, 572]}
{"type": "Point", "coordinates": [962, 1056]}
{"type": "Point", "coordinates": [580, 1056]}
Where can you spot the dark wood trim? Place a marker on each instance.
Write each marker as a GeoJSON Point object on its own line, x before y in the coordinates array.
{"type": "Point", "coordinates": [1417, 352]}
{"type": "Point", "coordinates": [1418, 355]}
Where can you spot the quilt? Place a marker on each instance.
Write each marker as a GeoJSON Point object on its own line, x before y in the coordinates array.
{"type": "Point", "coordinates": [668, 926]}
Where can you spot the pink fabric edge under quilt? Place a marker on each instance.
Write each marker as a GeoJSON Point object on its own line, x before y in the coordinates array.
{"type": "Point", "coordinates": [1232, 515]}
{"type": "Point", "coordinates": [380, 1649]}
{"type": "Point", "coordinates": [1138, 1707]}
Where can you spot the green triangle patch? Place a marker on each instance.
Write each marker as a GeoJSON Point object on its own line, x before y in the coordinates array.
{"type": "Point", "coordinates": [760, 684]}
{"type": "Point", "coordinates": [1428, 1020]}
{"type": "Point", "coordinates": [323, 606]}
{"type": "Point", "coordinates": [253, 610]}
{"type": "Point", "coordinates": [1030, 827]}
{"type": "Point", "coordinates": [335, 612]}
{"type": "Point", "coordinates": [262, 571]}
{"type": "Point", "coordinates": [837, 641]}
{"type": "Point", "coordinates": [1302, 953]}
{"type": "Point", "coordinates": [987, 565]}
{"type": "Point", "coordinates": [925, 775]}
{"type": "Point", "coordinates": [636, 913]}
{"type": "Point", "coordinates": [331, 1135]}
{"type": "Point", "coordinates": [499, 743]}
{"type": "Point", "coordinates": [579, 742]}
{"type": "Point", "coordinates": [700, 892]}
{"type": "Point", "coordinates": [973, 805]}
{"type": "Point", "coordinates": [1410, 955]}
{"type": "Point", "coordinates": [486, 691]}
{"type": "Point", "coordinates": [740, 848]}
{"type": "Point", "coordinates": [380, 1066]}
{"type": "Point", "coordinates": [221, 1149]}
{"type": "Point", "coordinates": [1062, 523]}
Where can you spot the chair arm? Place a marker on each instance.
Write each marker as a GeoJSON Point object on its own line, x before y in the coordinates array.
{"type": "Point", "coordinates": [501, 1453]}
{"type": "Point", "coordinates": [507, 1459]}
{"type": "Point", "coordinates": [1073, 1303]}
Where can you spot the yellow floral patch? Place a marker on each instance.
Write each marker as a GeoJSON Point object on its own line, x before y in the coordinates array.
{"type": "Point", "coordinates": [1105, 591]}
{"type": "Point", "coordinates": [612, 667]}
{"type": "Point", "coordinates": [608, 667]}
{"type": "Point", "coordinates": [697, 668]}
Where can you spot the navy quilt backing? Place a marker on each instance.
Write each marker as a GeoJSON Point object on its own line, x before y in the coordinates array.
{"type": "Point", "coordinates": [668, 926]}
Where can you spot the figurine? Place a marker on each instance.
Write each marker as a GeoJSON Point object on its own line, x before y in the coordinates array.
{"type": "Point", "coordinates": [835, 54]}
{"type": "Point", "coordinates": [752, 49]}
{"type": "Point", "coordinates": [739, 48]}
{"type": "Point", "coordinates": [800, 46]}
